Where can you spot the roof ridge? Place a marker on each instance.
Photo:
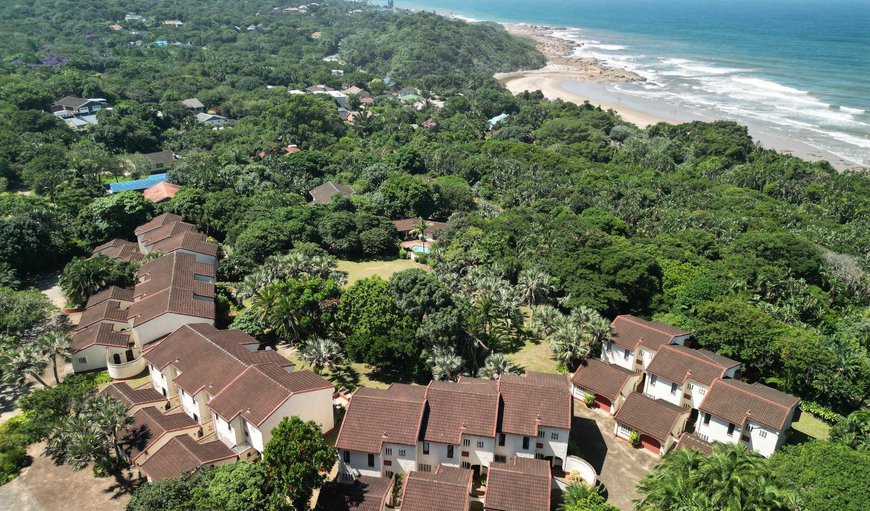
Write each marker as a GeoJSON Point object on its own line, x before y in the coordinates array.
{"type": "Point", "coordinates": [687, 352]}
{"type": "Point", "coordinates": [633, 319]}
{"type": "Point", "coordinates": [218, 346]}
{"type": "Point", "coordinates": [745, 391]}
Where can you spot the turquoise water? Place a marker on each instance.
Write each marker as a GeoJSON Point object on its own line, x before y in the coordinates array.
{"type": "Point", "coordinates": [421, 249]}
{"type": "Point", "coordinates": [798, 68]}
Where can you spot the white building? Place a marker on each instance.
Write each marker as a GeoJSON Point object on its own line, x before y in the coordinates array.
{"type": "Point", "coordinates": [753, 415]}
{"type": "Point", "coordinates": [657, 423]}
{"type": "Point", "coordinates": [682, 376]}
{"type": "Point", "coordinates": [636, 341]}
{"type": "Point", "coordinates": [609, 384]}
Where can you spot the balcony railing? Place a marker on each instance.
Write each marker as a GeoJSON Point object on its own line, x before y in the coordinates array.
{"type": "Point", "coordinates": [127, 369]}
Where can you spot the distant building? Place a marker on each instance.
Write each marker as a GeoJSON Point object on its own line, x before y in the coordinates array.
{"type": "Point", "coordinates": [406, 225]}
{"type": "Point", "coordinates": [492, 123]}
{"type": "Point", "coordinates": [78, 112]}
{"type": "Point", "coordinates": [193, 104]}
{"type": "Point", "coordinates": [323, 194]}
{"type": "Point", "coordinates": [156, 162]}
{"type": "Point", "coordinates": [161, 192]}
{"type": "Point", "coordinates": [174, 23]}
{"type": "Point", "coordinates": [137, 184]}
{"type": "Point", "coordinates": [317, 35]}
{"type": "Point", "coordinates": [213, 120]}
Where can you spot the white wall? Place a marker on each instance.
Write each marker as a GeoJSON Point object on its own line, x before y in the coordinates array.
{"type": "Point", "coordinates": [359, 464]}
{"type": "Point", "coordinates": [698, 392]}
{"type": "Point", "coordinates": [646, 357]}
{"type": "Point", "coordinates": [762, 439]}
{"type": "Point", "coordinates": [613, 354]}
{"type": "Point", "coordinates": [94, 358]}
{"type": "Point", "coordinates": [163, 325]}
{"type": "Point", "coordinates": [661, 389]}
{"type": "Point", "coordinates": [231, 432]}
{"type": "Point", "coordinates": [437, 455]}
{"type": "Point", "coordinates": [309, 406]}
{"type": "Point", "coordinates": [513, 446]}
{"type": "Point", "coordinates": [196, 405]}
{"type": "Point", "coordinates": [398, 463]}
{"type": "Point", "coordinates": [555, 447]}
{"type": "Point", "coordinates": [162, 381]}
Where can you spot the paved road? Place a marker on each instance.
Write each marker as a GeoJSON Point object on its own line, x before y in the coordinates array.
{"type": "Point", "coordinates": [16, 496]}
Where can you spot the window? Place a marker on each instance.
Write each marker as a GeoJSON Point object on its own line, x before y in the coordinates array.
{"type": "Point", "coordinates": [388, 451]}
{"type": "Point", "coordinates": [702, 390]}
{"type": "Point", "coordinates": [371, 460]}
{"type": "Point", "coordinates": [466, 442]}
{"type": "Point", "coordinates": [480, 444]}
{"type": "Point", "coordinates": [706, 419]}
{"type": "Point", "coordinates": [501, 439]}
{"type": "Point", "coordinates": [609, 346]}
{"type": "Point", "coordinates": [388, 463]}
{"type": "Point", "coordinates": [674, 388]}
{"type": "Point", "coordinates": [500, 458]}
{"type": "Point", "coordinates": [389, 474]}
{"type": "Point", "coordinates": [539, 456]}
{"type": "Point", "coordinates": [425, 468]}
{"type": "Point", "coordinates": [652, 380]}
{"type": "Point", "coordinates": [116, 358]}
{"type": "Point", "coordinates": [554, 436]}
{"type": "Point", "coordinates": [689, 386]}
{"type": "Point", "coordinates": [466, 464]}
{"type": "Point", "coordinates": [425, 447]}
{"type": "Point", "coordinates": [625, 354]}
{"type": "Point", "coordinates": [401, 452]}
{"type": "Point", "coordinates": [450, 451]}
{"type": "Point", "coordinates": [346, 477]}
{"type": "Point", "coordinates": [83, 360]}
{"type": "Point", "coordinates": [762, 433]}
{"type": "Point", "coordinates": [347, 456]}
{"type": "Point", "coordinates": [526, 443]}
{"type": "Point", "coordinates": [731, 429]}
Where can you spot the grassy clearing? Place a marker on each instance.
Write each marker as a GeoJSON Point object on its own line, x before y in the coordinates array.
{"type": "Point", "coordinates": [350, 376]}
{"type": "Point", "coordinates": [384, 269]}
{"type": "Point", "coordinates": [535, 356]}
{"type": "Point", "coordinates": [812, 426]}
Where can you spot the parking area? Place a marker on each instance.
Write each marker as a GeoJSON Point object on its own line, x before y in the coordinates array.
{"type": "Point", "coordinates": [619, 465]}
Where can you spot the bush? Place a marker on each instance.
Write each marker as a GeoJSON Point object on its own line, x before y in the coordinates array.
{"type": "Point", "coordinates": [822, 412]}
{"type": "Point", "coordinates": [13, 448]}
{"type": "Point", "coordinates": [589, 399]}
{"type": "Point", "coordinates": [634, 438]}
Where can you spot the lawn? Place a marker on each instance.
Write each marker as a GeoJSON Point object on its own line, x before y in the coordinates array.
{"type": "Point", "coordinates": [384, 269]}
{"type": "Point", "coordinates": [349, 376]}
{"type": "Point", "coordinates": [535, 356]}
{"type": "Point", "coordinates": [812, 426]}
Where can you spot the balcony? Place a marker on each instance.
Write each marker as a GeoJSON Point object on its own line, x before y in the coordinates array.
{"type": "Point", "coordinates": [120, 370]}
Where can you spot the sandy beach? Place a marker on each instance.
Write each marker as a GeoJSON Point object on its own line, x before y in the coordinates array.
{"type": "Point", "coordinates": [578, 80]}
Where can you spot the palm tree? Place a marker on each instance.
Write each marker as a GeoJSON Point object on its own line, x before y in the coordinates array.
{"type": "Point", "coordinates": [546, 318]}
{"type": "Point", "coordinates": [569, 343]}
{"type": "Point", "coordinates": [445, 363]}
{"type": "Point", "coordinates": [496, 365]}
{"type": "Point", "coordinates": [533, 285]}
{"type": "Point", "coordinates": [17, 364]}
{"type": "Point", "coordinates": [91, 435]}
{"type": "Point", "coordinates": [55, 345]}
{"type": "Point", "coordinates": [321, 354]}
{"type": "Point", "coordinates": [419, 229]}
{"type": "Point", "coordinates": [583, 497]}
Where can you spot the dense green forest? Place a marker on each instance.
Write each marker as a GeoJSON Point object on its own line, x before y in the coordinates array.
{"type": "Point", "coordinates": [564, 209]}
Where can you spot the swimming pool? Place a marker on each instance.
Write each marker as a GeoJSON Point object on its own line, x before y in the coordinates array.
{"type": "Point", "coordinates": [419, 249]}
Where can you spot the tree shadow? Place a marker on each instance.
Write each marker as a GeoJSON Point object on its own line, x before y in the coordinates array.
{"type": "Point", "coordinates": [587, 438]}
{"type": "Point", "coordinates": [125, 484]}
{"type": "Point", "coordinates": [9, 395]}
{"type": "Point", "coordinates": [344, 376]}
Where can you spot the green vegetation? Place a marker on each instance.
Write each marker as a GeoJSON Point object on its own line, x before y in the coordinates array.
{"type": "Point", "coordinates": [82, 278]}
{"type": "Point", "coordinates": [582, 497]}
{"type": "Point", "coordinates": [13, 449]}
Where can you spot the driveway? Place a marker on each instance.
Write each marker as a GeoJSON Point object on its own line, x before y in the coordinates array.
{"type": "Point", "coordinates": [44, 486]}
{"type": "Point", "coordinates": [619, 465]}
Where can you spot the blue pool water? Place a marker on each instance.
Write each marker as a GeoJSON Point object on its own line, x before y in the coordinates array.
{"type": "Point", "coordinates": [799, 68]}
{"type": "Point", "coordinates": [421, 250]}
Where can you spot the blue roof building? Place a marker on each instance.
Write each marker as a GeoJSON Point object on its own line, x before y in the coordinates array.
{"type": "Point", "coordinates": [137, 184]}
{"type": "Point", "coordinates": [497, 119]}
{"type": "Point", "coordinates": [161, 43]}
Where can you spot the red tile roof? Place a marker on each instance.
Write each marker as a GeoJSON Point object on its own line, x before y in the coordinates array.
{"type": "Point", "coordinates": [654, 417]}
{"type": "Point", "coordinates": [692, 441]}
{"type": "Point", "coordinates": [446, 489]}
{"type": "Point", "coordinates": [376, 416]}
{"type": "Point", "coordinates": [679, 363]}
{"type": "Point", "coordinates": [130, 397]}
{"type": "Point", "coordinates": [157, 221]}
{"type": "Point", "coordinates": [170, 284]}
{"type": "Point", "coordinates": [532, 400]}
{"type": "Point", "coordinates": [364, 494]}
{"type": "Point", "coordinates": [189, 240]}
{"type": "Point", "coordinates": [166, 231]}
{"type": "Point", "coordinates": [119, 250]}
{"type": "Point", "coordinates": [407, 224]}
{"type": "Point", "coordinates": [101, 333]}
{"type": "Point", "coordinates": [161, 192]}
{"type": "Point", "coordinates": [454, 409]}
{"type": "Point", "coordinates": [630, 331]}
{"type": "Point", "coordinates": [737, 402]}
{"type": "Point", "coordinates": [524, 485]}
{"type": "Point", "coordinates": [111, 293]}
{"type": "Point", "coordinates": [323, 194]}
{"type": "Point", "coordinates": [149, 425]}
{"type": "Point", "coordinates": [260, 390]}
{"type": "Point", "coordinates": [602, 378]}
{"type": "Point", "coordinates": [108, 310]}
{"type": "Point", "coordinates": [184, 454]}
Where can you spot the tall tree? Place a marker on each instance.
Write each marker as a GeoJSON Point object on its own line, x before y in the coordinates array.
{"type": "Point", "coordinates": [54, 346]}
{"type": "Point", "coordinates": [321, 354]}
{"type": "Point", "coordinates": [298, 460]}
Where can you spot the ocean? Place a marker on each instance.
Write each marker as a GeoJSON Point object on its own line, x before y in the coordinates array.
{"type": "Point", "coordinates": [795, 69]}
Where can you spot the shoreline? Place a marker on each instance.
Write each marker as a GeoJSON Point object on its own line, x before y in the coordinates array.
{"type": "Point", "coordinates": [583, 79]}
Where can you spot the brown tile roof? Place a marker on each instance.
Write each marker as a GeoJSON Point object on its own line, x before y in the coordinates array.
{"type": "Point", "coordinates": [203, 363]}
{"type": "Point", "coordinates": [259, 390]}
{"type": "Point", "coordinates": [523, 485]}
{"type": "Point", "coordinates": [166, 231]}
{"type": "Point", "coordinates": [101, 333]}
{"type": "Point", "coordinates": [160, 157]}
{"type": "Point", "coordinates": [446, 489]}
{"type": "Point", "coordinates": [119, 250]}
{"type": "Point", "coordinates": [364, 494]}
{"type": "Point", "coordinates": [654, 417]}
{"type": "Point", "coordinates": [169, 284]}
{"type": "Point", "coordinates": [241, 345]}
{"type": "Point", "coordinates": [149, 424]}
{"type": "Point", "coordinates": [157, 221]}
{"type": "Point", "coordinates": [323, 194]}
{"type": "Point", "coordinates": [161, 192]}
{"type": "Point", "coordinates": [108, 310]}
{"type": "Point", "coordinates": [692, 441]}
{"type": "Point", "coordinates": [172, 300]}
{"type": "Point", "coordinates": [190, 241]}
{"type": "Point", "coordinates": [737, 402]}
{"type": "Point", "coordinates": [602, 378]}
{"type": "Point", "coordinates": [130, 397]}
{"type": "Point", "coordinates": [111, 293]}
{"type": "Point", "coordinates": [375, 416]}
{"type": "Point", "coordinates": [406, 224]}
{"type": "Point", "coordinates": [183, 454]}
{"type": "Point", "coordinates": [532, 400]}
{"type": "Point", "coordinates": [630, 331]}
{"type": "Point", "coordinates": [454, 409]}
{"type": "Point", "coordinates": [679, 363]}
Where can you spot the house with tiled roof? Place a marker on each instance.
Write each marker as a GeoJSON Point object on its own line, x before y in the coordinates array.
{"type": "Point", "coordinates": [753, 415]}
{"type": "Point", "coordinates": [609, 384]}
{"type": "Point", "coordinates": [152, 429]}
{"type": "Point", "coordinates": [135, 399]}
{"type": "Point", "coordinates": [682, 376]}
{"type": "Point", "coordinates": [657, 422]}
{"type": "Point", "coordinates": [635, 341]}
{"type": "Point", "coordinates": [156, 222]}
{"type": "Point", "coordinates": [119, 250]}
{"type": "Point", "coordinates": [444, 489]}
{"type": "Point", "coordinates": [161, 192]}
{"type": "Point", "coordinates": [323, 194]}
{"type": "Point", "coordinates": [188, 242]}
{"type": "Point", "coordinates": [184, 454]}
{"type": "Point", "coordinates": [520, 485]}
{"type": "Point", "coordinates": [162, 233]}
